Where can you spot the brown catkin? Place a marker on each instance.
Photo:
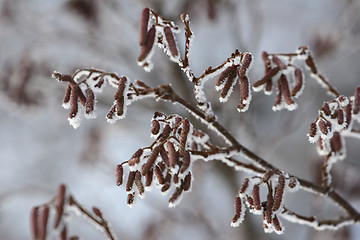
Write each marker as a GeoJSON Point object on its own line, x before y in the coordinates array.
{"type": "Point", "coordinates": [256, 197]}
{"type": "Point", "coordinates": [63, 233]}
{"type": "Point", "coordinates": [279, 93]}
{"type": "Point", "coordinates": [186, 162]}
{"type": "Point", "coordinates": [159, 175]}
{"type": "Point", "coordinates": [245, 64]}
{"type": "Point", "coordinates": [277, 224]}
{"type": "Point", "coordinates": [59, 204]}
{"type": "Point", "coordinates": [326, 109]}
{"type": "Point", "coordinates": [268, 175]}
{"type": "Point", "coordinates": [34, 223]}
{"type": "Point", "coordinates": [164, 156]}
{"type": "Point", "coordinates": [111, 112]}
{"type": "Point", "coordinates": [74, 100]}
{"type": "Point", "coordinates": [44, 216]}
{"type": "Point", "coordinates": [130, 198]}
{"type": "Point", "coordinates": [121, 88]}
{"type": "Point", "coordinates": [285, 90]}
{"type": "Point", "coordinates": [173, 155]}
{"type": "Point", "coordinates": [178, 191]}
{"type": "Point", "coordinates": [149, 178]}
{"type": "Point", "coordinates": [244, 185]}
{"type": "Point", "coordinates": [67, 94]}
{"type": "Point", "coordinates": [90, 101]}
{"type": "Point", "coordinates": [348, 114]}
{"type": "Point", "coordinates": [335, 142]}
{"type": "Point", "coordinates": [139, 183]}
{"type": "Point", "coordinates": [324, 126]}
{"type": "Point", "coordinates": [165, 133]}
{"type": "Point", "coordinates": [228, 84]}
{"type": "Point", "coordinates": [120, 106]}
{"type": "Point", "coordinates": [298, 82]}
{"type": "Point", "coordinates": [165, 187]}
{"type": "Point", "coordinates": [135, 158]}
{"type": "Point", "coordinates": [313, 129]}
{"type": "Point", "coordinates": [150, 161]}
{"type": "Point", "coordinates": [237, 209]}
{"type": "Point", "coordinates": [356, 103]}
{"type": "Point", "coordinates": [187, 182]}
{"type": "Point", "coordinates": [244, 92]}
{"type": "Point", "coordinates": [119, 174]}
{"type": "Point", "coordinates": [169, 36]}
{"type": "Point", "coordinates": [269, 206]}
{"type": "Point", "coordinates": [183, 135]}
{"type": "Point", "coordinates": [145, 50]}
{"type": "Point", "coordinates": [155, 127]}
{"type": "Point", "coordinates": [144, 21]}
{"type": "Point", "coordinates": [130, 181]}
{"type": "Point", "coordinates": [279, 191]}
{"type": "Point", "coordinates": [224, 74]}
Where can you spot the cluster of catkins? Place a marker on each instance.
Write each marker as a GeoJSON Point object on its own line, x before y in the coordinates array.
{"type": "Point", "coordinates": [166, 163]}
{"type": "Point", "coordinates": [276, 183]}
{"type": "Point", "coordinates": [80, 94]}
{"type": "Point", "coordinates": [290, 81]}
{"type": "Point", "coordinates": [334, 118]}
{"type": "Point", "coordinates": [154, 29]}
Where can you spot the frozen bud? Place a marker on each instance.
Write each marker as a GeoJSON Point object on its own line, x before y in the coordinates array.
{"type": "Point", "coordinates": [44, 216]}
{"type": "Point", "coordinates": [324, 126]}
{"type": "Point", "coordinates": [313, 129]}
{"type": "Point", "coordinates": [63, 233]}
{"type": "Point", "coordinates": [245, 64]}
{"type": "Point", "coordinates": [34, 222]}
{"type": "Point", "coordinates": [186, 162]}
{"type": "Point", "coordinates": [59, 204]}
{"type": "Point", "coordinates": [149, 178]}
{"type": "Point", "coordinates": [298, 82]}
{"type": "Point", "coordinates": [144, 21]}
{"type": "Point", "coordinates": [279, 191]}
{"type": "Point", "coordinates": [135, 158]}
{"type": "Point", "coordinates": [97, 212]}
{"type": "Point", "coordinates": [340, 116]}
{"type": "Point", "coordinates": [224, 74]}
{"type": "Point", "coordinates": [173, 155]}
{"type": "Point", "coordinates": [165, 133]}
{"type": "Point", "coordinates": [285, 91]}
{"type": "Point", "coordinates": [119, 174]}
{"type": "Point", "coordinates": [67, 95]}
{"type": "Point", "coordinates": [150, 161]}
{"type": "Point", "coordinates": [244, 186]}
{"type": "Point", "coordinates": [89, 104]}
{"type": "Point", "coordinates": [292, 182]}
{"type": "Point", "coordinates": [269, 206]}
{"type": "Point", "coordinates": [311, 64]}
{"type": "Point", "coordinates": [130, 181]}
{"type": "Point", "coordinates": [268, 175]}
{"type": "Point", "coordinates": [164, 156]}
{"type": "Point", "coordinates": [256, 197]}
{"type": "Point", "coordinates": [187, 182]}
{"type": "Point", "coordinates": [159, 175]}
{"type": "Point", "coordinates": [335, 142]}
{"type": "Point", "coordinates": [130, 199]}
{"type": "Point", "coordinates": [171, 41]}
{"type": "Point", "coordinates": [277, 61]}
{"type": "Point", "coordinates": [326, 109]}
{"type": "Point", "coordinates": [183, 135]}
{"type": "Point", "coordinates": [237, 219]}
{"type": "Point", "coordinates": [244, 94]}
{"type": "Point", "coordinates": [267, 77]}
{"type": "Point", "coordinates": [139, 183]}
{"type": "Point", "coordinates": [155, 127]}
{"type": "Point", "coordinates": [356, 103]}
{"type": "Point", "coordinates": [277, 226]}
{"type": "Point", "coordinates": [145, 50]}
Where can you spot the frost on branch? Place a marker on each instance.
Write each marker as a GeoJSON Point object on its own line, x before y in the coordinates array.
{"type": "Point", "coordinates": [276, 184]}
{"type": "Point", "coordinates": [166, 163]}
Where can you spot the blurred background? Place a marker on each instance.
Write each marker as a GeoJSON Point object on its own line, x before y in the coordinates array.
{"type": "Point", "coordinates": [39, 149]}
